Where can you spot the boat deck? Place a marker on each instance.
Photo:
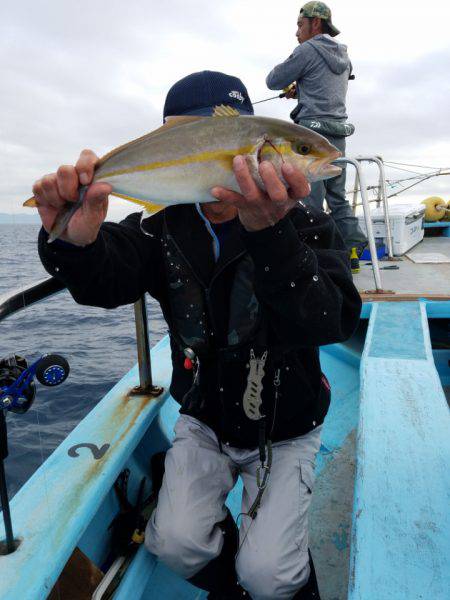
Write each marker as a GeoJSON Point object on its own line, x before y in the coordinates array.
{"type": "Point", "coordinates": [411, 280]}
{"type": "Point", "coordinates": [379, 520]}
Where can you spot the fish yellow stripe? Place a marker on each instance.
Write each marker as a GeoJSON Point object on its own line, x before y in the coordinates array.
{"type": "Point", "coordinates": [209, 156]}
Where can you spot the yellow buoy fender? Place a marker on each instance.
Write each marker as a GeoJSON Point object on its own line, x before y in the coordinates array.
{"type": "Point", "coordinates": [432, 212]}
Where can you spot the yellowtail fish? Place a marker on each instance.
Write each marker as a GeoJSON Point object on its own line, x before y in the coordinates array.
{"type": "Point", "coordinates": [181, 161]}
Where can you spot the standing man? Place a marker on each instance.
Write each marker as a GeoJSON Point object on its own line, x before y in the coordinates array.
{"type": "Point", "coordinates": [321, 68]}
{"type": "Point", "coordinates": [266, 282]}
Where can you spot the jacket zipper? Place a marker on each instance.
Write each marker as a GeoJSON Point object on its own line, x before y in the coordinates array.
{"type": "Point", "coordinates": [206, 289]}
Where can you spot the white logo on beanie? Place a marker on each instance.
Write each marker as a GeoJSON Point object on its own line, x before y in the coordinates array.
{"type": "Point", "coordinates": [237, 96]}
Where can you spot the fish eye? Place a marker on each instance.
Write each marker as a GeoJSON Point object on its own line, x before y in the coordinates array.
{"type": "Point", "coordinates": [303, 149]}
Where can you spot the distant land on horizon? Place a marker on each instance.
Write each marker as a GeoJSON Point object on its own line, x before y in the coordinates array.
{"type": "Point", "coordinates": [18, 219]}
{"type": "Point", "coordinates": [21, 219]}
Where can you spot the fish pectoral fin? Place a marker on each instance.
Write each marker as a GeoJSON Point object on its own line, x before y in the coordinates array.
{"type": "Point", "coordinates": [150, 207]}
{"type": "Point", "coordinates": [30, 203]}
{"type": "Point", "coordinates": [225, 111]}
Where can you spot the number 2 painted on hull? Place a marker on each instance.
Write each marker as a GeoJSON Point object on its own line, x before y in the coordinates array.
{"type": "Point", "coordinates": [97, 452]}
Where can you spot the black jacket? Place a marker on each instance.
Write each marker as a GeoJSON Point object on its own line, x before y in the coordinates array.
{"type": "Point", "coordinates": [286, 289]}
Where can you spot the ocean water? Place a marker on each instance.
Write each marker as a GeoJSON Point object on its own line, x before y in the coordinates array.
{"type": "Point", "coordinates": [81, 334]}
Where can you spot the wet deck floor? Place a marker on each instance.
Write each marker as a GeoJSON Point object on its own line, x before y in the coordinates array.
{"type": "Point", "coordinates": [420, 280]}
{"type": "Point", "coordinates": [331, 521]}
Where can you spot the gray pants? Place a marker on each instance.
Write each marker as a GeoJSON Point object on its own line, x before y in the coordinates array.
{"type": "Point", "coordinates": [333, 191]}
{"type": "Point", "coordinates": [272, 561]}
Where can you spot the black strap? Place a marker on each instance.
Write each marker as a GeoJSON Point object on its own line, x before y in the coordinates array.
{"type": "Point", "coordinates": [262, 439]}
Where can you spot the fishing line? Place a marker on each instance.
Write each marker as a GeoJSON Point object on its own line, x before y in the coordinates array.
{"type": "Point", "coordinates": [418, 176]}
{"type": "Point", "coordinates": [246, 533]}
{"type": "Point", "coordinates": [417, 182]}
{"type": "Point", "coordinates": [402, 169]}
{"type": "Point", "coordinates": [46, 491]}
{"type": "Point", "coordinates": [393, 182]}
{"type": "Point", "coordinates": [411, 165]}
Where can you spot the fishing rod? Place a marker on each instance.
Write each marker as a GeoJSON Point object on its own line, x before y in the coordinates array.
{"type": "Point", "coordinates": [283, 94]}
{"type": "Point", "coordinates": [289, 88]}
{"type": "Point", "coordinates": [17, 393]}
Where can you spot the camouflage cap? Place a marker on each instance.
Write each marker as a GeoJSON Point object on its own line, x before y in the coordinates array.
{"type": "Point", "coordinates": [321, 10]}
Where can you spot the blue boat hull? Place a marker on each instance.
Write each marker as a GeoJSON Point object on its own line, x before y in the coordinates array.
{"type": "Point", "coordinates": [380, 525]}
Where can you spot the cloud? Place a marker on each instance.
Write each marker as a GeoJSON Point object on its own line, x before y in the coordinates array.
{"type": "Point", "coordinates": [95, 74]}
{"type": "Point", "coordinates": [403, 107]}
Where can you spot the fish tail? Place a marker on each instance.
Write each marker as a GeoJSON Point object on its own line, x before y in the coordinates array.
{"type": "Point", "coordinates": [30, 203]}
{"type": "Point", "coordinates": [65, 214]}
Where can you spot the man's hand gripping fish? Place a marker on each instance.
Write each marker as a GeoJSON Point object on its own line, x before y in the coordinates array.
{"type": "Point", "coordinates": [181, 162]}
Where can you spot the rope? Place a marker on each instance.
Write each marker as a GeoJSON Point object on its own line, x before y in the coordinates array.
{"type": "Point", "coordinates": [411, 165]}
{"type": "Point", "coordinates": [394, 182]}
{"type": "Point", "coordinates": [416, 183]}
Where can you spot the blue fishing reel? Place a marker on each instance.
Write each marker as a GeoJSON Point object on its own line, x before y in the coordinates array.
{"type": "Point", "coordinates": [17, 386]}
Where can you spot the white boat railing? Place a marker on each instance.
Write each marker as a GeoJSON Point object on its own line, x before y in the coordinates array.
{"type": "Point", "coordinates": [345, 160]}
{"type": "Point", "coordinates": [382, 196]}
{"type": "Point", "coordinates": [361, 187]}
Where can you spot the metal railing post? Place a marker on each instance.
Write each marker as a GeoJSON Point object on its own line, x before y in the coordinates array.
{"type": "Point", "coordinates": [355, 193]}
{"type": "Point", "coordinates": [143, 347]}
{"type": "Point", "coordinates": [383, 193]}
{"type": "Point", "coordinates": [367, 217]}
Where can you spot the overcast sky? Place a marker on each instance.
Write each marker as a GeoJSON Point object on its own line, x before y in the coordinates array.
{"type": "Point", "coordinates": [95, 74]}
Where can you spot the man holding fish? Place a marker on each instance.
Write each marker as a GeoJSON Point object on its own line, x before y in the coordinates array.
{"type": "Point", "coordinates": [251, 283]}
{"type": "Point", "coordinates": [321, 68]}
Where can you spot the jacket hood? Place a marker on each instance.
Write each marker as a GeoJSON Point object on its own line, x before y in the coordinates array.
{"type": "Point", "coordinates": [333, 53]}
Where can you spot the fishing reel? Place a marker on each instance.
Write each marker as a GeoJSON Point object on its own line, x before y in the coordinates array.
{"type": "Point", "coordinates": [17, 392]}
{"type": "Point", "coordinates": [17, 386]}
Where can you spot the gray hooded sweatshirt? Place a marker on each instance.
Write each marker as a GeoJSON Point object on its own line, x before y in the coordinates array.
{"type": "Point", "coordinates": [321, 68]}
